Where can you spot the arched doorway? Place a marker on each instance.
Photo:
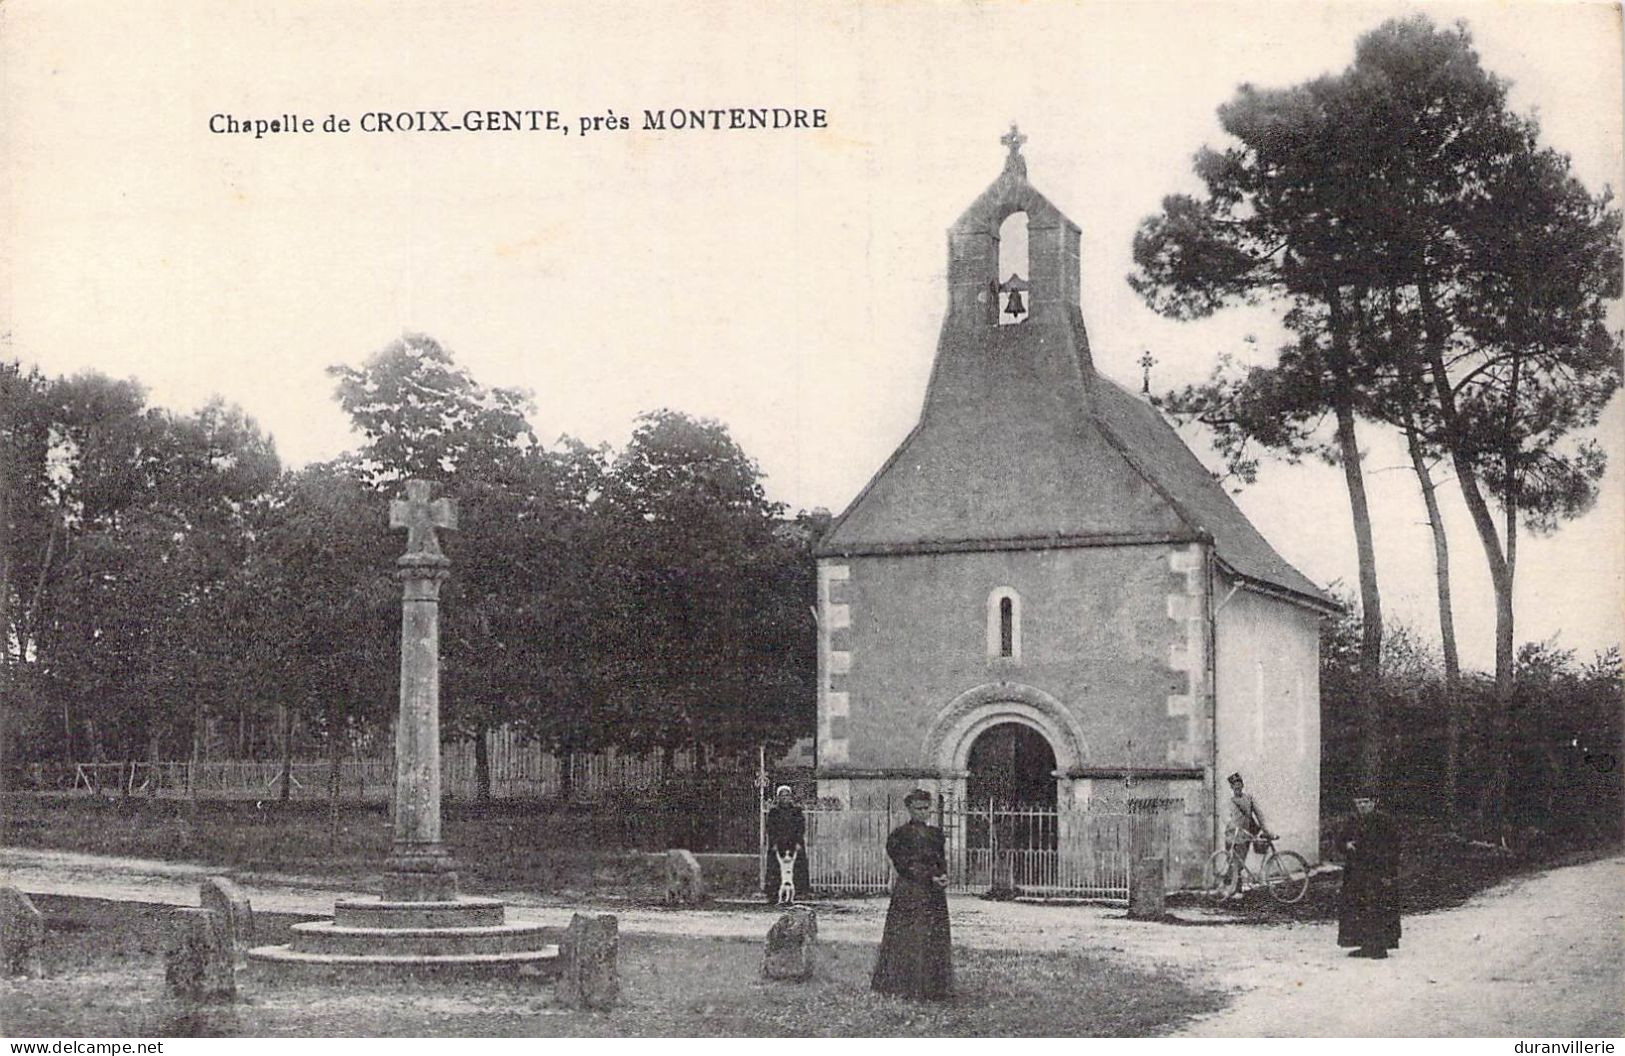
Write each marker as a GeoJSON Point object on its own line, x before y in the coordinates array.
{"type": "Point", "coordinates": [1011, 764]}
{"type": "Point", "coordinates": [1010, 807]}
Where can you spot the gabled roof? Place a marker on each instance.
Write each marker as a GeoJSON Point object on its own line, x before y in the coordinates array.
{"type": "Point", "coordinates": [1146, 439]}
{"type": "Point", "coordinates": [1021, 444]}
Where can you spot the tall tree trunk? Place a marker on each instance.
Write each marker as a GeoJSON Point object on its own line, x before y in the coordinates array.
{"type": "Point", "coordinates": [287, 754]}
{"type": "Point", "coordinates": [333, 759]}
{"type": "Point", "coordinates": [1433, 328]}
{"type": "Point", "coordinates": [31, 614]}
{"type": "Point", "coordinates": [1447, 619]}
{"type": "Point", "coordinates": [1348, 447]}
{"type": "Point", "coordinates": [7, 687]}
{"type": "Point", "coordinates": [154, 754]}
{"type": "Point", "coordinates": [482, 765]}
{"type": "Point", "coordinates": [197, 757]}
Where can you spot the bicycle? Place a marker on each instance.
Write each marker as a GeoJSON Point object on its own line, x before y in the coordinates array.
{"type": "Point", "coordinates": [1284, 873]}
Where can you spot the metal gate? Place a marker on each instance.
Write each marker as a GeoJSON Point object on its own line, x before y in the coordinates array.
{"type": "Point", "coordinates": [1039, 852]}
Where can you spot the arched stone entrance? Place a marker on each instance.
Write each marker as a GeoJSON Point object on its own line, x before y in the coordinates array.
{"type": "Point", "coordinates": [956, 728]}
{"type": "Point", "coordinates": [1011, 764]}
{"type": "Point", "coordinates": [1005, 752]}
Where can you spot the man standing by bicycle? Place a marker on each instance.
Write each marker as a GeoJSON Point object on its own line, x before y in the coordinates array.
{"type": "Point", "coordinates": [1245, 824]}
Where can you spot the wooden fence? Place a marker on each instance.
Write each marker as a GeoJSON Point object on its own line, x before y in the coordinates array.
{"type": "Point", "coordinates": [518, 770]}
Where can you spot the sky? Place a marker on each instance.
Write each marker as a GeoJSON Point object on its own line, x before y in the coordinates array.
{"type": "Point", "coordinates": [788, 283]}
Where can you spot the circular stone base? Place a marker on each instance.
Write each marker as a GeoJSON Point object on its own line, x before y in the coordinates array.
{"type": "Point", "coordinates": [284, 962]}
{"type": "Point", "coordinates": [453, 938]}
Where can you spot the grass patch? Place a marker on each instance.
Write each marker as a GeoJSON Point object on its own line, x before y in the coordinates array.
{"type": "Point", "coordinates": [105, 978]}
{"type": "Point", "coordinates": [507, 844]}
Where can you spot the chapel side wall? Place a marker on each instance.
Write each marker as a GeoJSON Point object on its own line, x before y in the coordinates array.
{"type": "Point", "coordinates": [1268, 710]}
{"type": "Point", "coordinates": [904, 635]}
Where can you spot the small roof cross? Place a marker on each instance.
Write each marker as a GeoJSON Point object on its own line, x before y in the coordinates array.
{"type": "Point", "coordinates": [420, 518]}
{"type": "Point", "coordinates": [1014, 139]}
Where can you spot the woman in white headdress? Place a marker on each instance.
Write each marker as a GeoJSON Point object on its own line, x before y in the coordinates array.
{"type": "Point", "coordinates": [786, 832]}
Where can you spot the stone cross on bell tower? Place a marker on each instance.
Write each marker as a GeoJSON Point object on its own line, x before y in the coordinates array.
{"type": "Point", "coordinates": [418, 868]}
{"type": "Point", "coordinates": [1013, 139]}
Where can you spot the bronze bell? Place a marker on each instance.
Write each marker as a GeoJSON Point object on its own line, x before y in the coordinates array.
{"type": "Point", "coordinates": [1014, 305]}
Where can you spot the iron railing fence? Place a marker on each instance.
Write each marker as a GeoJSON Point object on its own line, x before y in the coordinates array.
{"type": "Point", "coordinates": [1083, 851]}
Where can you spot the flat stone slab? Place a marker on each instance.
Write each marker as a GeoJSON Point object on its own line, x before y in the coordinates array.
{"type": "Point", "coordinates": [283, 960]}
{"type": "Point", "coordinates": [376, 913]}
{"type": "Point", "coordinates": [325, 936]}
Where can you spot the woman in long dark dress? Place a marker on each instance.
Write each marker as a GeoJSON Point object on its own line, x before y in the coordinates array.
{"type": "Point", "coordinates": [1368, 906]}
{"type": "Point", "coordinates": [916, 956]}
{"type": "Point", "coordinates": [786, 832]}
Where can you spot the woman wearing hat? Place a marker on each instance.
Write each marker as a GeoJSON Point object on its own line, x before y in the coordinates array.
{"type": "Point", "coordinates": [786, 833]}
{"type": "Point", "coordinates": [916, 956]}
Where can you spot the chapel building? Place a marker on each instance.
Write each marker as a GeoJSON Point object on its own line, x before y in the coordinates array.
{"type": "Point", "coordinates": [1043, 597]}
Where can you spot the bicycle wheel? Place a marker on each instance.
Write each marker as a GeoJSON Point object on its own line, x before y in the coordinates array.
{"type": "Point", "coordinates": [1218, 872]}
{"type": "Point", "coordinates": [1286, 874]}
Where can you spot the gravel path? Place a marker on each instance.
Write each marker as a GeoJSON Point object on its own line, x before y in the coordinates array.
{"type": "Point", "coordinates": [1539, 956]}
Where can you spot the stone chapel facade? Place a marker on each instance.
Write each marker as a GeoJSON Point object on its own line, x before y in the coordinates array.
{"type": "Point", "coordinates": [1043, 595]}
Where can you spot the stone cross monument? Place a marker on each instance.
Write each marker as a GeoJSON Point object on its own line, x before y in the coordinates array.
{"type": "Point", "coordinates": [418, 868]}
{"type": "Point", "coordinates": [420, 924]}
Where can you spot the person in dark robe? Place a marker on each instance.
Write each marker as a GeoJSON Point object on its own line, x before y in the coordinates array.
{"type": "Point", "coordinates": [786, 833]}
{"type": "Point", "coordinates": [916, 955]}
{"type": "Point", "coordinates": [1368, 904]}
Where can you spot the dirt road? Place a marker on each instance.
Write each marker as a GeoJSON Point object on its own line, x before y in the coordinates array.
{"type": "Point", "coordinates": [1539, 956]}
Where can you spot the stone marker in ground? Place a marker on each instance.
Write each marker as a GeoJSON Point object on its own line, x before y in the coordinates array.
{"type": "Point", "coordinates": [588, 976]}
{"type": "Point", "coordinates": [199, 964]}
{"type": "Point", "coordinates": [226, 898]}
{"type": "Point", "coordinates": [685, 883]}
{"type": "Point", "coordinates": [791, 944]}
{"type": "Point", "coordinates": [22, 933]}
{"type": "Point", "coordinates": [1147, 889]}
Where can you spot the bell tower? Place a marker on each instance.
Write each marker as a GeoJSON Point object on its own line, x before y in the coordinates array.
{"type": "Point", "coordinates": [1014, 333]}
{"type": "Point", "coordinates": [973, 244]}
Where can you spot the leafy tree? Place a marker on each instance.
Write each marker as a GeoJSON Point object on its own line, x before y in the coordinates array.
{"type": "Point", "coordinates": [519, 632]}
{"type": "Point", "coordinates": [123, 524]}
{"type": "Point", "coordinates": [1509, 263]}
{"type": "Point", "coordinates": [711, 599]}
{"type": "Point", "coordinates": [150, 510]}
{"type": "Point", "coordinates": [425, 417]}
{"type": "Point", "coordinates": [1269, 228]}
{"type": "Point", "coordinates": [324, 606]}
{"type": "Point", "coordinates": [1465, 277]}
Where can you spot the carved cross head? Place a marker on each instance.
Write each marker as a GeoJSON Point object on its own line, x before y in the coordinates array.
{"type": "Point", "coordinates": [420, 518]}
{"type": "Point", "coordinates": [1013, 139]}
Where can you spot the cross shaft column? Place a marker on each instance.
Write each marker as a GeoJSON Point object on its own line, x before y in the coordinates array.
{"type": "Point", "coordinates": [419, 869]}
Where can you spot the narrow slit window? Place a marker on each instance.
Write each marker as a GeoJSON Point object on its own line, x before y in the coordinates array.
{"type": "Point", "coordinates": [1003, 624]}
